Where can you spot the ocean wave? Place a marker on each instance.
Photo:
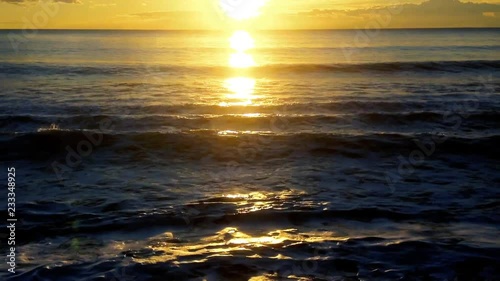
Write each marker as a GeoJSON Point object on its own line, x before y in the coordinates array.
{"type": "Point", "coordinates": [93, 223]}
{"type": "Point", "coordinates": [281, 243]}
{"type": "Point", "coordinates": [270, 69]}
{"type": "Point", "coordinates": [202, 145]}
{"type": "Point", "coordinates": [389, 67]}
{"type": "Point", "coordinates": [343, 105]}
{"type": "Point", "coordinates": [264, 122]}
{"type": "Point", "coordinates": [394, 261]}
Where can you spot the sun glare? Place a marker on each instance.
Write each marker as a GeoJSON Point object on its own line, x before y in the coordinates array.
{"type": "Point", "coordinates": [241, 60]}
{"type": "Point", "coordinates": [241, 87]}
{"type": "Point", "coordinates": [241, 41]}
{"type": "Point", "coordinates": [242, 9]}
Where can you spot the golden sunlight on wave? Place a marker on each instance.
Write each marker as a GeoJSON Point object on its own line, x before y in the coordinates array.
{"type": "Point", "coordinates": [241, 60]}
{"type": "Point", "coordinates": [240, 241]}
{"type": "Point", "coordinates": [241, 41]}
{"type": "Point", "coordinates": [230, 241]}
{"type": "Point", "coordinates": [241, 89]}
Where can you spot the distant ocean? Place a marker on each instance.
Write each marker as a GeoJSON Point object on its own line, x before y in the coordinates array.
{"type": "Point", "coordinates": [143, 155]}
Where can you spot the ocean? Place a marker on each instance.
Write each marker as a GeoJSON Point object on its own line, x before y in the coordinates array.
{"type": "Point", "coordinates": [273, 155]}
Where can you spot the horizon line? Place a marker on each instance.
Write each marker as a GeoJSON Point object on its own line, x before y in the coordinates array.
{"type": "Point", "coordinates": [297, 29]}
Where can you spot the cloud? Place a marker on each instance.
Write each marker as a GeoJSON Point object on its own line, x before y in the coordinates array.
{"type": "Point", "coordinates": [186, 20]}
{"type": "Point", "coordinates": [449, 13]}
{"type": "Point", "coordinates": [180, 14]}
{"type": "Point", "coordinates": [69, 1]}
{"type": "Point", "coordinates": [22, 2]}
{"type": "Point", "coordinates": [160, 15]}
{"type": "Point", "coordinates": [429, 14]}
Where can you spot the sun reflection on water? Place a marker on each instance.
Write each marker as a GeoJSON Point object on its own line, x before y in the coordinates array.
{"type": "Point", "coordinates": [236, 238]}
{"type": "Point", "coordinates": [232, 242]}
{"type": "Point", "coordinates": [241, 41]}
{"type": "Point", "coordinates": [241, 87]}
{"type": "Point", "coordinates": [241, 60]}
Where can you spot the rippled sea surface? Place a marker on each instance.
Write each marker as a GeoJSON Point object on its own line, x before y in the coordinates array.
{"type": "Point", "coordinates": [279, 155]}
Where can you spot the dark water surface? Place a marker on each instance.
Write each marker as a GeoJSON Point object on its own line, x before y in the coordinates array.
{"type": "Point", "coordinates": [145, 156]}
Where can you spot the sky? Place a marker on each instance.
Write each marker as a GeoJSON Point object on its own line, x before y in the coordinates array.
{"type": "Point", "coordinates": [274, 14]}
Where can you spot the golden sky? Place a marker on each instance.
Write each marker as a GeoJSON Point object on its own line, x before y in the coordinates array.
{"type": "Point", "coordinates": [276, 14]}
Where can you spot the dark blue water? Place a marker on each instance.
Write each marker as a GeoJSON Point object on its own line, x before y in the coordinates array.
{"type": "Point", "coordinates": [156, 156]}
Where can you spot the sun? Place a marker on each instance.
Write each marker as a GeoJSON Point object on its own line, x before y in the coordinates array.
{"type": "Point", "coordinates": [242, 9]}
